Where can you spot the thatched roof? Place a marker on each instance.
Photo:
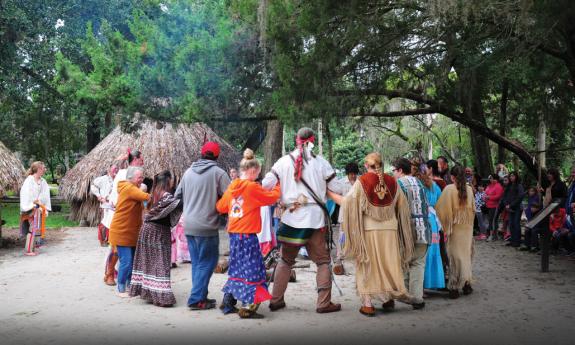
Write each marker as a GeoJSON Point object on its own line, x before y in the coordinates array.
{"type": "Point", "coordinates": [11, 170]}
{"type": "Point", "coordinates": [164, 146]}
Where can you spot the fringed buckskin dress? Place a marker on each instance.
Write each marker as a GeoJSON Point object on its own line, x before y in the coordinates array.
{"type": "Point", "coordinates": [376, 222]}
{"type": "Point", "coordinates": [457, 222]}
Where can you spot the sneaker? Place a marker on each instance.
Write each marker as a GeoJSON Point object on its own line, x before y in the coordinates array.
{"type": "Point", "coordinates": [203, 305]}
{"type": "Point", "coordinates": [525, 249]}
{"type": "Point", "coordinates": [481, 237]}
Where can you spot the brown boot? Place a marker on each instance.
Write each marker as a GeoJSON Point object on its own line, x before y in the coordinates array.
{"type": "Point", "coordinates": [110, 270]}
{"type": "Point", "coordinates": [331, 308]}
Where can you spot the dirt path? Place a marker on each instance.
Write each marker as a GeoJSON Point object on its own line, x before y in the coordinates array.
{"type": "Point", "coordinates": [58, 297]}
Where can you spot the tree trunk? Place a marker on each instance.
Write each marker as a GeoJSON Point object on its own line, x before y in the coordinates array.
{"type": "Point", "coordinates": [329, 143]}
{"type": "Point", "coordinates": [503, 119]}
{"type": "Point", "coordinates": [541, 138]}
{"type": "Point", "coordinates": [92, 130]}
{"type": "Point", "coordinates": [470, 91]}
{"type": "Point", "coordinates": [272, 144]}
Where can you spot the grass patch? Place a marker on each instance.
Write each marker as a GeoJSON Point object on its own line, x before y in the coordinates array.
{"type": "Point", "coordinates": [55, 220]}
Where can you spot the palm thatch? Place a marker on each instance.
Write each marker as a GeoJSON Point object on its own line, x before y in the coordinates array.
{"type": "Point", "coordinates": [11, 171]}
{"type": "Point", "coordinates": [164, 146]}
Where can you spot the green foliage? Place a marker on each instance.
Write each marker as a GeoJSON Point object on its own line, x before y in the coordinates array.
{"type": "Point", "coordinates": [350, 149]}
{"type": "Point", "coordinates": [55, 220]}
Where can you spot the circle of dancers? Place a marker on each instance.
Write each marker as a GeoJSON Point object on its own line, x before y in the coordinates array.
{"type": "Point", "coordinates": [406, 233]}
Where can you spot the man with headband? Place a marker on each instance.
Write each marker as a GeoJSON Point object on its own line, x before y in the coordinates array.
{"type": "Point", "coordinates": [304, 179]}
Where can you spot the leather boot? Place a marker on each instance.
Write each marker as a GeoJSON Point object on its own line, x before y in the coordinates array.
{"type": "Point", "coordinates": [110, 269]}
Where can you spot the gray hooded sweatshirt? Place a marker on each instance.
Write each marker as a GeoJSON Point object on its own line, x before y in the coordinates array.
{"type": "Point", "coordinates": [200, 188]}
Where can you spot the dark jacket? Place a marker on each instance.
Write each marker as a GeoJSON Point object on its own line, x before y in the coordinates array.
{"type": "Point", "coordinates": [513, 195]}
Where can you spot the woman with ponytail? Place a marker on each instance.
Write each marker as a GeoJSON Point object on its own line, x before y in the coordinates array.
{"type": "Point", "coordinates": [247, 273]}
{"type": "Point", "coordinates": [455, 209]}
{"type": "Point", "coordinates": [376, 222]}
{"type": "Point", "coordinates": [152, 261]}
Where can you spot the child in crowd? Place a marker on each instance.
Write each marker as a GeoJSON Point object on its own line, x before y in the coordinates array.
{"type": "Point", "coordinates": [533, 206]}
{"type": "Point", "coordinates": [242, 201]}
{"type": "Point", "coordinates": [480, 211]}
{"type": "Point", "coordinates": [558, 228]}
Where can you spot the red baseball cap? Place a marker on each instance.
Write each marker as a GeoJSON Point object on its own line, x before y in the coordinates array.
{"type": "Point", "coordinates": [212, 147]}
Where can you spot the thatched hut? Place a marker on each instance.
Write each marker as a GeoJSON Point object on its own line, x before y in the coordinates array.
{"type": "Point", "coordinates": [164, 146]}
{"type": "Point", "coordinates": [11, 171]}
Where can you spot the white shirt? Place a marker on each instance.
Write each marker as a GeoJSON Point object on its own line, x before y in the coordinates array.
{"type": "Point", "coordinates": [120, 176]}
{"type": "Point", "coordinates": [31, 191]}
{"type": "Point", "coordinates": [102, 187]}
{"type": "Point", "coordinates": [346, 186]}
{"type": "Point", "coordinates": [318, 173]}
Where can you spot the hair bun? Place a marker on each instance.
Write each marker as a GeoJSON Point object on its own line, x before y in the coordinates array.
{"type": "Point", "coordinates": [249, 154]}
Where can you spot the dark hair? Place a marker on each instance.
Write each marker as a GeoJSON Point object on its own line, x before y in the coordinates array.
{"type": "Point", "coordinates": [133, 155]}
{"type": "Point", "coordinates": [417, 172]}
{"type": "Point", "coordinates": [305, 133]}
{"type": "Point", "coordinates": [444, 159]}
{"type": "Point", "coordinates": [351, 168]}
{"type": "Point", "coordinates": [555, 173]}
{"type": "Point", "coordinates": [432, 164]}
{"type": "Point", "coordinates": [404, 164]}
{"type": "Point", "coordinates": [210, 156]}
{"type": "Point", "coordinates": [459, 173]}
{"type": "Point", "coordinates": [162, 184]}
{"type": "Point", "coordinates": [517, 178]}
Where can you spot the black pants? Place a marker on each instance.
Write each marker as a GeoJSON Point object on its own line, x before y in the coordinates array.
{"type": "Point", "coordinates": [493, 223]}
{"type": "Point", "coordinates": [515, 226]}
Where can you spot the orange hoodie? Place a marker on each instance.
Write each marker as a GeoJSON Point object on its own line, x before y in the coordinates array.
{"type": "Point", "coordinates": [242, 201]}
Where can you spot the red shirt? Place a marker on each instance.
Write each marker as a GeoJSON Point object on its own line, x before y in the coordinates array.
{"type": "Point", "coordinates": [557, 219]}
{"type": "Point", "coordinates": [494, 193]}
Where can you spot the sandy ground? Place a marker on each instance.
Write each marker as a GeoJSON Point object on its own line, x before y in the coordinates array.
{"type": "Point", "coordinates": [58, 297]}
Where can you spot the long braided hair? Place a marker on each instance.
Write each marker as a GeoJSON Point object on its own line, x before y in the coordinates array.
{"type": "Point", "coordinates": [373, 161]}
{"type": "Point", "coordinates": [460, 182]}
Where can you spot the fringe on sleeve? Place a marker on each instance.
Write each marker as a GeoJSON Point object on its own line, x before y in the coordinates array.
{"type": "Point", "coordinates": [405, 235]}
{"type": "Point", "coordinates": [354, 245]}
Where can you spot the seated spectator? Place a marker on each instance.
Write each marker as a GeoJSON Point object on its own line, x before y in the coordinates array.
{"type": "Point", "coordinates": [558, 228]}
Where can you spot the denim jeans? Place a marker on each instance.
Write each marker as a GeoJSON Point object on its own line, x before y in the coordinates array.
{"type": "Point", "coordinates": [126, 256]}
{"type": "Point", "coordinates": [204, 255]}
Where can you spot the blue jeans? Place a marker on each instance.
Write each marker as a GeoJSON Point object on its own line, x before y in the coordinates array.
{"type": "Point", "coordinates": [126, 256]}
{"type": "Point", "coordinates": [204, 254]}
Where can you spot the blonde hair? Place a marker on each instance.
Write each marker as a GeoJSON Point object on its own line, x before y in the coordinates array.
{"type": "Point", "coordinates": [373, 161]}
{"type": "Point", "coordinates": [35, 167]}
{"type": "Point", "coordinates": [249, 161]}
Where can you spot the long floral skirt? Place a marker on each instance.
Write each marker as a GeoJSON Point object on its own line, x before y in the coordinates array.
{"type": "Point", "coordinates": [247, 272]}
{"type": "Point", "coordinates": [152, 262]}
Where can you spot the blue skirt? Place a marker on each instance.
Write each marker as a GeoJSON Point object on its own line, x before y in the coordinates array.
{"type": "Point", "coordinates": [434, 276]}
{"type": "Point", "coordinates": [247, 272]}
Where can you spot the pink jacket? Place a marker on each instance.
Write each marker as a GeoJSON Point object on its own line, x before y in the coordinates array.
{"type": "Point", "coordinates": [494, 192]}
